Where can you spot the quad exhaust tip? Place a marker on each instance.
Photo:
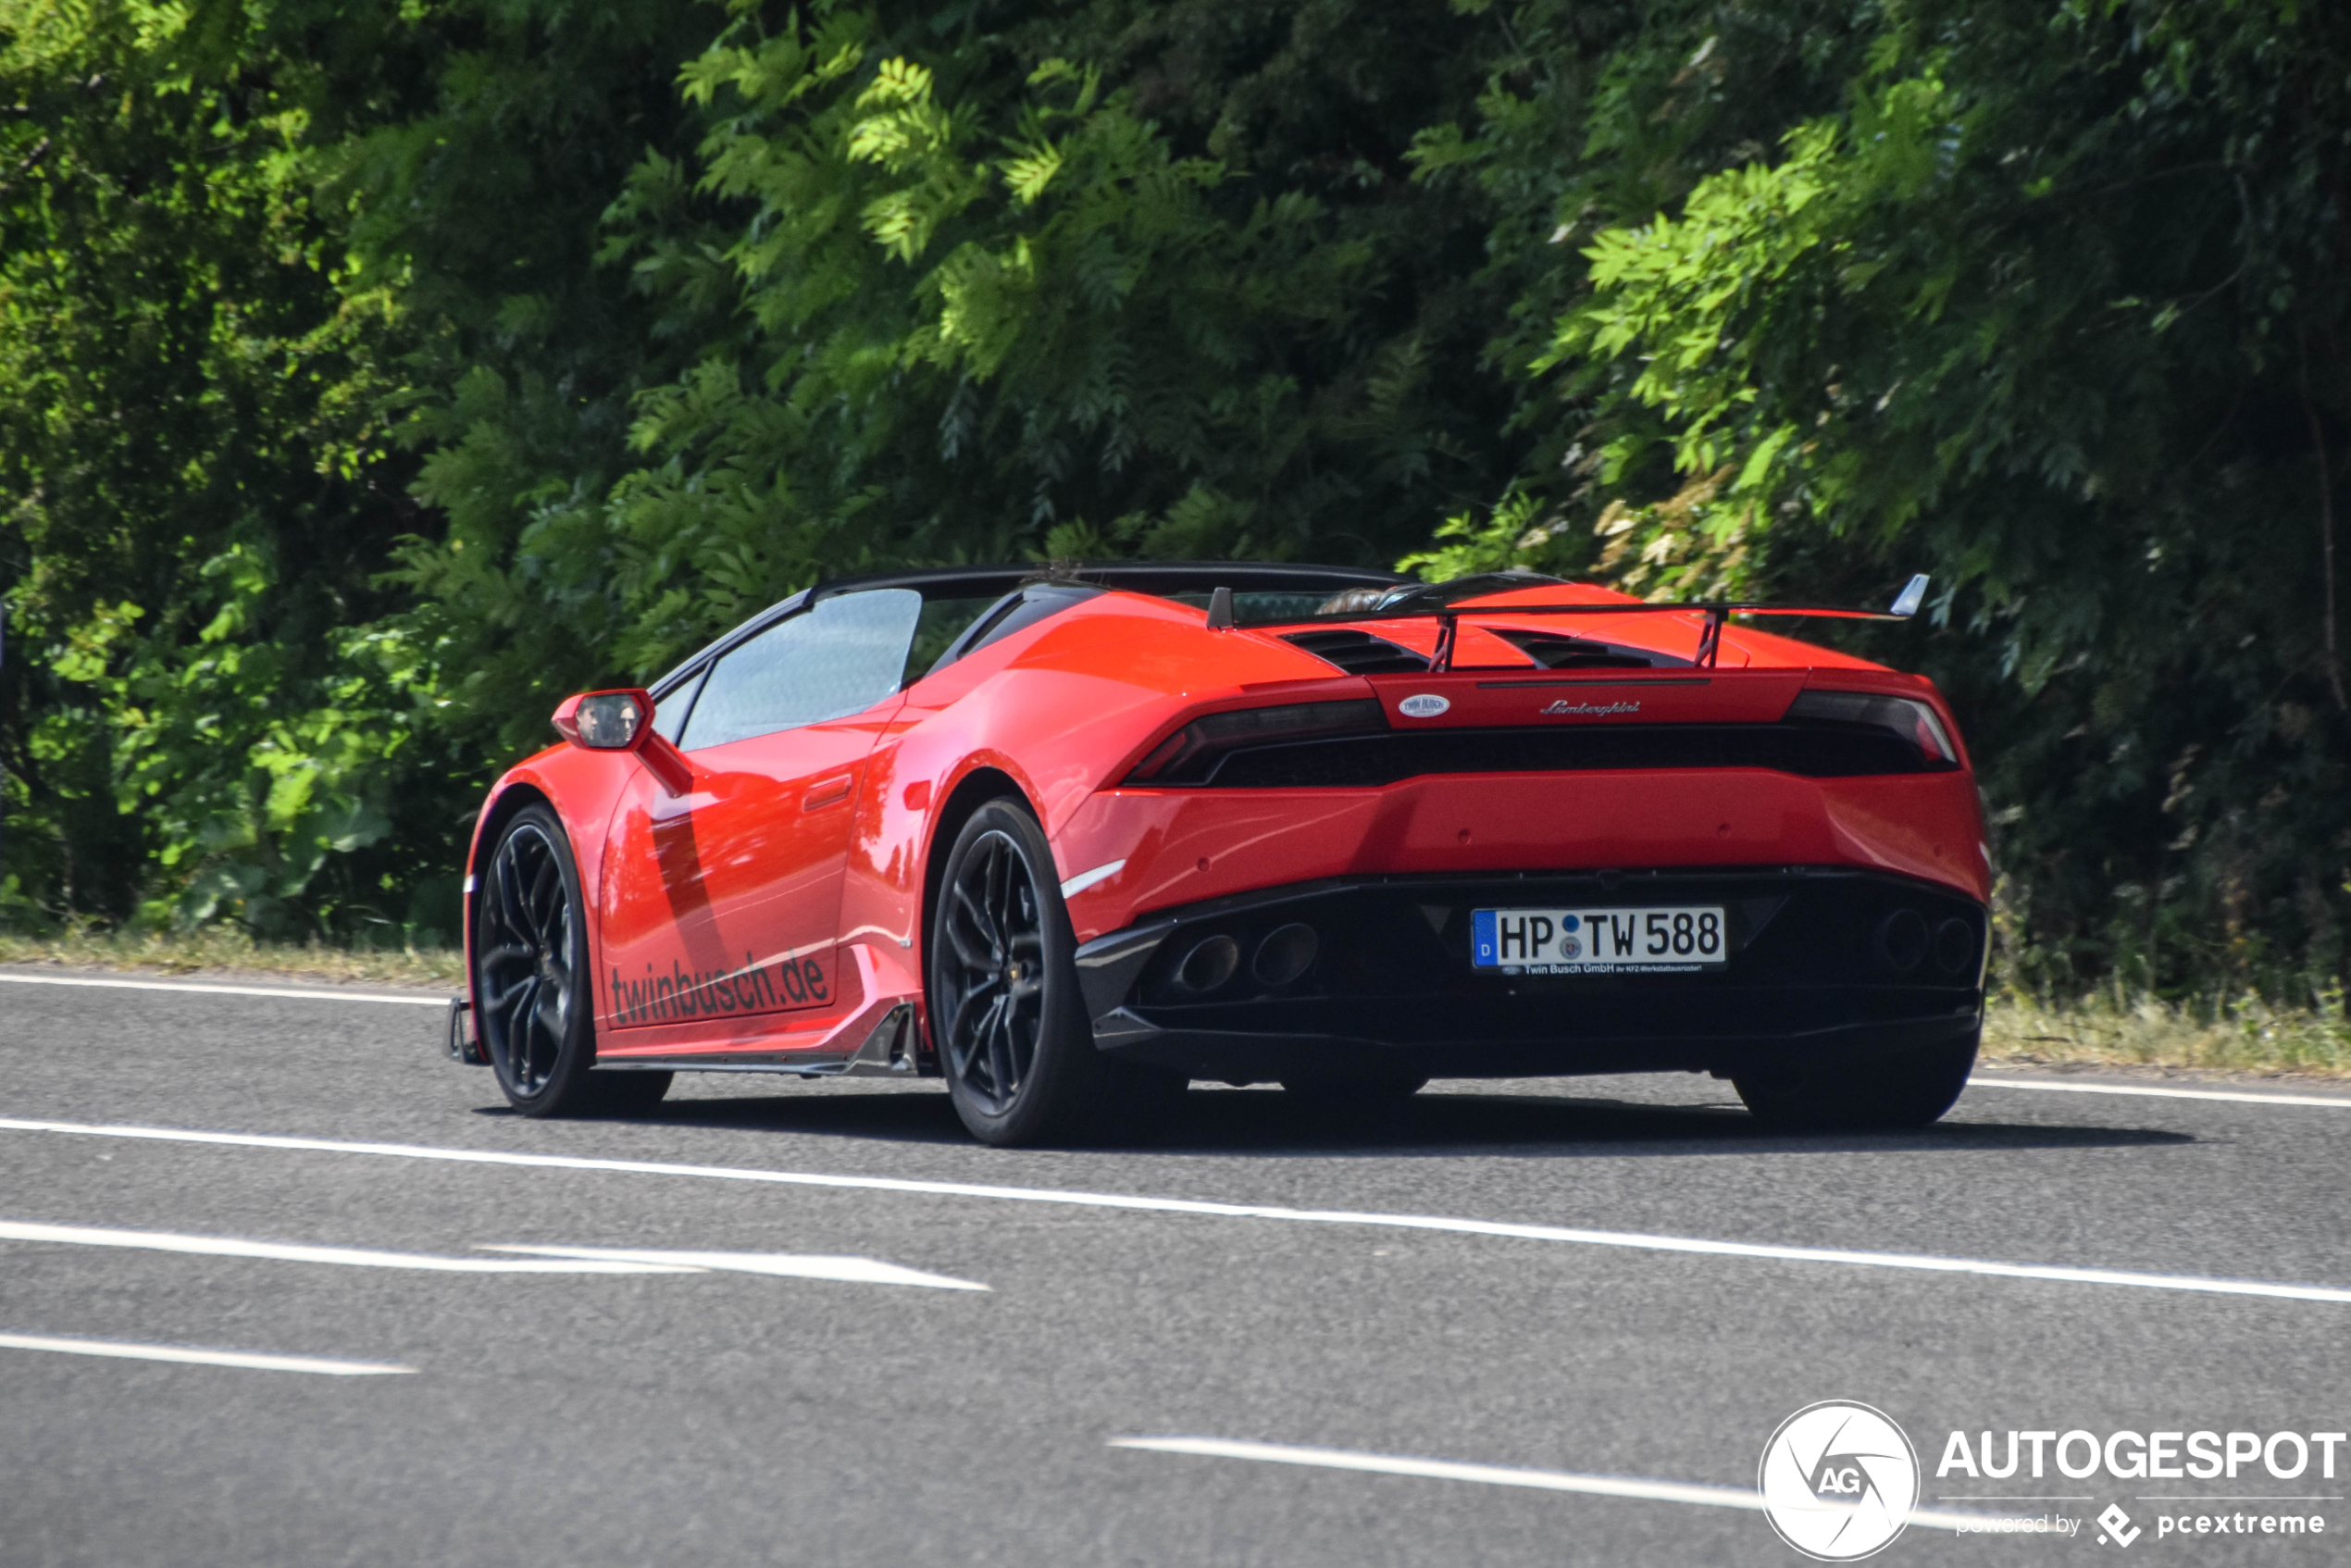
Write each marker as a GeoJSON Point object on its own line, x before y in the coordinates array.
{"type": "Point", "coordinates": [1209, 965]}
{"type": "Point", "coordinates": [1286, 952]}
{"type": "Point", "coordinates": [1954, 946]}
{"type": "Point", "coordinates": [1904, 942]}
{"type": "Point", "coordinates": [1282, 955]}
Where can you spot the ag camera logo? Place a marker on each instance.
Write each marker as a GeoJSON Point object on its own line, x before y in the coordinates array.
{"type": "Point", "coordinates": [1839, 1481]}
{"type": "Point", "coordinates": [1423, 704]}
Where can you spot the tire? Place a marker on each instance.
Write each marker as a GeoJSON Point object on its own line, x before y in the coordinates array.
{"type": "Point", "coordinates": [533, 1006]}
{"type": "Point", "coordinates": [1007, 1019]}
{"type": "Point", "coordinates": [1891, 1094]}
{"type": "Point", "coordinates": [1338, 1095]}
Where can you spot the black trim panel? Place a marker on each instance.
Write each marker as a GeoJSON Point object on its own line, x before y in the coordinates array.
{"type": "Point", "coordinates": [1823, 965]}
{"type": "Point", "coordinates": [1809, 751]}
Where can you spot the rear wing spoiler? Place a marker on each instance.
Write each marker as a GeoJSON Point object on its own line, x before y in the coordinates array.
{"type": "Point", "coordinates": [1716, 611]}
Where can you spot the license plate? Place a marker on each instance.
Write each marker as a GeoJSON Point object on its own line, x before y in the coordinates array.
{"type": "Point", "coordinates": [1600, 941]}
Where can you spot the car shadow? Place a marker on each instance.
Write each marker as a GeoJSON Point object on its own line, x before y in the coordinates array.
{"type": "Point", "coordinates": [1267, 1123]}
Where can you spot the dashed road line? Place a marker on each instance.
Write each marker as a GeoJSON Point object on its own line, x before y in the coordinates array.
{"type": "Point", "coordinates": [190, 1356]}
{"type": "Point", "coordinates": [785, 1265]}
{"type": "Point", "coordinates": [529, 1259]}
{"type": "Point", "coordinates": [281, 1252]}
{"type": "Point", "coordinates": [1627, 1240]}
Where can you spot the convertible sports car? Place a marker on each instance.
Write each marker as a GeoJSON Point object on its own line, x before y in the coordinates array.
{"type": "Point", "coordinates": [1069, 839]}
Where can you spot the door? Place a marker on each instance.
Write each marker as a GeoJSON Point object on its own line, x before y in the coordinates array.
{"type": "Point", "coordinates": [725, 900]}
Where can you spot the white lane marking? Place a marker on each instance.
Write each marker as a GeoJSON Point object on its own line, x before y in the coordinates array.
{"type": "Point", "coordinates": [352, 1257]}
{"type": "Point", "coordinates": [1086, 879]}
{"type": "Point", "coordinates": [539, 1260]}
{"type": "Point", "coordinates": [2335, 1102]}
{"type": "Point", "coordinates": [1634, 1240]}
{"type": "Point", "coordinates": [787, 1265]}
{"type": "Point", "coordinates": [192, 1357]}
{"type": "Point", "coordinates": [1494, 1474]}
{"type": "Point", "coordinates": [224, 990]}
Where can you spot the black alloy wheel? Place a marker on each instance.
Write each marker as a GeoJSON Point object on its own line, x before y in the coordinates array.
{"type": "Point", "coordinates": [1006, 1014]}
{"type": "Point", "coordinates": [994, 972]}
{"type": "Point", "coordinates": [531, 979]}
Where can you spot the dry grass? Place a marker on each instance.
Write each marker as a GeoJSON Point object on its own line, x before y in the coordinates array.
{"type": "Point", "coordinates": [2243, 1035]}
{"type": "Point", "coordinates": [220, 949]}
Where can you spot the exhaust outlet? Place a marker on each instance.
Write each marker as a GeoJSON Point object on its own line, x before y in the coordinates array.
{"type": "Point", "coordinates": [1210, 964]}
{"type": "Point", "coordinates": [1286, 952]}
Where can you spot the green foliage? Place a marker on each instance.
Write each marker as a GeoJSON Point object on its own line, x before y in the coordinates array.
{"type": "Point", "coordinates": [251, 801]}
{"type": "Point", "coordinates": [1515, 535]}
{"type": "Point", "coordinates": [370, 376]}
{"type": "Point", "coordinates": [245, 277]}
{"type": "Point", "coordinates": [193, 489]}
{"type": "Point", "coordinates": [472, 203]}
{"type": "Point", "coordinates": [2053, 308]}
{"type": "Point", "coordinates": [934, 307]}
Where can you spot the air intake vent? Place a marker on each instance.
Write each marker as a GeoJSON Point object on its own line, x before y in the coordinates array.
{"type": "Point", "coordinates": [1359, 652]}
{"type": "Point", "coordinates": [1555, 651]}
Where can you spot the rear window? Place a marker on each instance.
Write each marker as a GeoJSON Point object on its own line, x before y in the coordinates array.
{"type": "Point", "coordinates": [943, 621]}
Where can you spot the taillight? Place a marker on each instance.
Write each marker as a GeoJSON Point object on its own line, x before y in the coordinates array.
{"type": "Point", "coordinates": [1192, 754]}
{"type": "Point", "coordinates": [1907, 717]}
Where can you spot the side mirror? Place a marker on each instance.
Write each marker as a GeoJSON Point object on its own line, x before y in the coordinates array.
{"type": "Point", "coordinates": [623, 721]}
{"type": "Point", "coordinates": [607, 721]}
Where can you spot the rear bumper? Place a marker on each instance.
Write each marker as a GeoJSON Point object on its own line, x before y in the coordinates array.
{"type": "Point", "coordinates": [1811, 980]}
{"type": "Point", "coordinates": [1161, 850]}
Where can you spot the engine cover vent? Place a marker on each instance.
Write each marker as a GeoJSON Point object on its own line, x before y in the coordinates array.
{"type": "Point", "coordinates": [1358, 653]}
{"type": "Point", "coordinates": [1555, 651]}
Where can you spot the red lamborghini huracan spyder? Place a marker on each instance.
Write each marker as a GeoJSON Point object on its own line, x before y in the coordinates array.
{"type": "Point", "coordinates": [1071, 839]}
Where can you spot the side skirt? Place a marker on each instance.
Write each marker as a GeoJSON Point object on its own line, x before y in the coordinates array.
{"type": "Point", "coordinates": [877, 1039]}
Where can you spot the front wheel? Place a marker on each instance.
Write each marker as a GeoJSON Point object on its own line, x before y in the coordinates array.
{"type": "Point", "coordinates": [1892, 1093]}
{"type": "Point", "coordinates": [1014, 1039]}
{"type": "Point", "coordinates": [531, 979]}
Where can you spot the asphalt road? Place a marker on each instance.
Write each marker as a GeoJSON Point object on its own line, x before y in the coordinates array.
{"type": "Point", "coordinates": [720, 1410]}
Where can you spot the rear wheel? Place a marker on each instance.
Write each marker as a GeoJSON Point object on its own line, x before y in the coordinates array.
{"type": "Point", "coordinates": [531, 979]}
{"type": "Point", "coordinates": [1892, 1093]}
{"type": "Point", "coordinates": [1014, 1039]}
